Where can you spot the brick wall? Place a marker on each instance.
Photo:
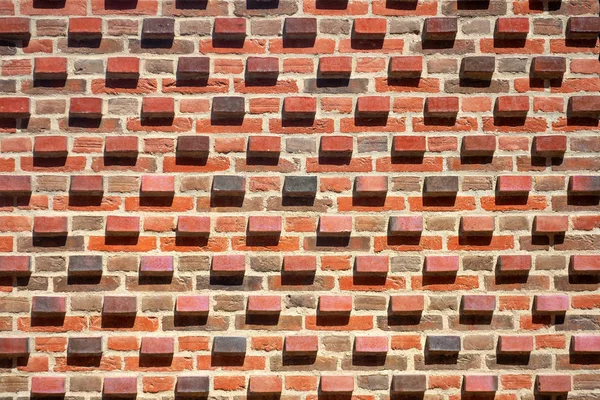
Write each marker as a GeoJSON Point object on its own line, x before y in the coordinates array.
{"type": "Point", "coordinates": [305, 199]}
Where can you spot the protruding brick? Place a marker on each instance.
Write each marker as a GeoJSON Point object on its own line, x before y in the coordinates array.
{"type": "Point", "coordinates": [373, 106]}
{"type": "Point", "coordinates": [230, 28]}
{"type": "Point", "coordinates": [412, 383]}
{"type": "Point", "coordinates": [85, 28]}
{"type": "Point", "coordinates": [551, 303]}
{"type": "Point", "coordinates": [229, 346]}
{"type": "Point", "coordinates": [480, 383]}
{"type": "Point", "coordinates": [193, 68]}
{"type": "Point", "coordinates": [264, 225]}
{"type": "Point", "coordinates": [477, 225]}
{"type": "Point", "coordinates": [119, 305]}
{"type": "Point", "coordinates": [585, 264]}
{"type": "Point", "coordinates": [440, 28]}
{"type": "Point", "coordinates": [156, 266]}
{"type": "Point", "coordinates": [299, 107]}
{"type": "Point", "coordinates": [48, 386]}
{"type": "Point", "coordinates": [193, 146]}
{"type": "Point", "coordinates": [441, 107]}
{"type": "Point", "coordinates": [158, 107]}
{"type": "Point", "coordinates": [515, 344]}
{"type": "Point", "coordinates": [405, 67]}
{"type": "Point", "coordinates": [50, 226]}
{"type": "Point", "coordinates": [228, 107]}
{"type": "Point", "coordinates": [157, 185]}
{"type": "Point", "coordinates": [190, 225]}
{"type": "Point", "coordinates": [14, 347]}
{"type": "Point", "coordinates": [337, 384]}
{"type": "Point", "coordinates": [14, 27]}
{"type": "Point", "coordinates": [300, 186]}
{"type": "Point", "coordinates": [50, 68]}
{"type": "Point", "coordinates": [516, 185]}
{"type": "Point", "coordinates": [192, 386]}
{"type": "Point", "coordinates": [584, 27]}
{"type": "Point", "coordinates": [441, 264]}
{"type": "Point", "coordinates": [117, 225]}
{"type": "Point", "coordinates": [335, 67]}
{"type": "Point", "coordinates": [440, 186]}
{"type": "Point", "coordinates": [15, 265]}
{"type": "Point", "coordinates": [229, 185]}
{"type": "Point", "coordinates": [264, 146]}
{"type": "Point", "coordinates": [293, 264]}
{"type": "Point", "coordinates": [121, 146]}
{"type": "Point", "coordinates": [548, 67]}
{"type": "Point", "coordinates": [514, 264]}
{"type": "Point", "coordinates": [335, 304]}
{"type": "Point", "coordinates": [300, 28]}
{"type": "Point", "coordinates": [549, 146]}
{"type": "Point", "coordinates": [194, 305]}
{"type": "Point", "coordinates": [120, 387]}
{"type": "Point", "coordinates": [158, 28]}
{"type": "Point", "coordinates": [370, 186]}
{"type": "Point", "coordinates": [442, 344]}
{"type": "Point", "coordinates": [411, 225]}
{"type": "Point", "coordinates": [265, 385]}
{"type": "Point", "coordinates": [478, 304]}
{"type": "Point", "coordinates": [157, 346]}
{"type": "Point", "coordinates": [48, 305]}
{"type": "Point", "coordinates": [297, 345]}
{"type": "Point", "coordinates": [371, 345]}
{"type": "Point", "coordinates": [86, 265]}
{"type": "Point", "coordinates": [553, 384]}
{"type": "Point", "coordinates": [549, 224]}
{"type": "Point", "coordinates": [478, 145]}
{"type": "Point", "coordinates": [370, 28]}
{"type": "Point", "coordinates": [123, 67]}
{"type": "Point", "coordinates": [371, 265]}
{"type": "Point", "coordinates": [12, 185]}
{"type": "Point", "coordinates": [264, 305]}
{"type": "Point", "coordinates": [335, 225]}
{"type": "Point", "coordinates": [50, 146]}
{"type": "Point", "coordinates": [407, 304]}
{"type": "Point", "coordinates": [584, 106]}
{"type": "Point", "coordinates": [585, 344]}
{"type": "Point", "coordinates": [85, 107]}
{"type": "Point", "coordinates": [512, 28]}
{"type": "Point", "coordinates": [414, 146]}
{"type": "Point", "coordinates": [512, 106]}
{"type": "Point", "coordinates": [87, 185]}
{"type": "Point", "coordinates": [84, 347]}
{"type": "Point", "coordinates": [478, 67]}
{"type": "Point", "coordinates": [262, 67]}
{"type": "Point", "coordinates": [228, 264]}
{"type": "Point", "coordinates": [341, 146]}
{"type": "Point", "coordinates": [14, 107]}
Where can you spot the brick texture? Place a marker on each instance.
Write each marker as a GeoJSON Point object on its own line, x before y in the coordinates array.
{"type": "Point", "coordinates": [300, 199]}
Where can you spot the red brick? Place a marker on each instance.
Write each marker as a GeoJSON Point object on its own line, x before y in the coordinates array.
{"type": "Point", "coordinates": [123, 67]}
{"type": "Point", "coordinates": [195, 304]}
{"type": "Point", "coordinates": [261, 385]}
{"type": "Point", "coordinates": [14, 347]}
{"type": "Point", "coordinates": [158, 107]}
{"type": "Point", "coordinates": [511, 106]}
{"type": "Point", "coordinates": [441, 106]}
{"type": "Point", "coordinates": [264, 304]}
{"type": "Point", "coordinates": [480, 383]}
{"type": "Point", "coordinates": [14, 27]}
{"type": "Point", "coordinates": [515, 344]}
{"type": "Point", "coordinates": [512, 28]}
{"type": "Point", "coordinates": [478, 145]}
{"type": "Point", "coordinates": [193, 226]}
{"type": "Point", "coordinates": [407, 304]}
{"type": "Point", "coordinates": [156, 266]}
{"type": "Point", "coordinates": [370, 27]}
{"type": "Point", "coordinates": [15, 265]}
{"type": "Point", "coordinates": [86, 27]}
{"type": "Point", "coordinates": [584, 27]}
{"type": "Point", "coordinates": [441, 264]}
{"type": "Point", "coordinates": [121, 146]}
{"type": "Point", "coordinates": [157, 185]}
{"type": "Point", "coordinates": [14, 107]}
{"type": "Point", "coordinates": [335, 304]}
{"type": "Point", "coordinates": [371, 265]}
{"type": "Point", "coordinates": [264, 225]}
{"type": "Point", "coordinates": [514, 264]}
{"type": "Point", "coordinates": [371, 186]}
{"type": "Point", "coordinates": [299, 107]}
{"type": "Point", "coordinates": [228, 264]}
{"type": "Point", "coordinates": [335, 225]}
{"type": "Point", "coordinates": [584, 105]}
{"type": "Point", "coordinates": [585, 344]}
{"type": "Point", "coordinates": [50, 146]}
{"type": "Point", "coordinates": [551, 303]}
{"type": "Point", "coordinates": [335, 67]}
{"type": "Point", "coordinates": [337, 384]}
{"type": "Point", "coordinates": [409, 145]}
{"type": "Point", "coordinates": [119, 386]}
{"type": "Point", "coordinates": [15, 184]}
{"type": "Point", "coordinates": [553, 384]}
{"type": "Point", "coordinates": [514, 185]}
{"type": "Point", "coordinates": [264, 145]}
{"type": "Point", "coordinates": [551, 224]}
{"type": "Point", "coordinates": [477, 225]}
{"type": "Point", "coordinates": [85, 107]}
{"type": "Point", "coordinates": [122, 226]}
{"type": "Point", "coordinates": [50, 68]}
{"type": "Point", "coordinates": [373, 105]}
{"type": "Point", "coordinates": [296, 345]}
{"type": "Point", "coordinates": [478, 304]}
{"type": "Point", "coordinates": [585, 264]}
{"type": "Point", "coordinates": [547, 67]}
{"type": "Point", "coordinates": [50, 226]}
{"type": "Point", "coordinates": [230, 27]}
{"type": "Point", "coordinates": [87, 185]}
{"type": "Point", "coordinates": [337, 144]}
{"type": "Point", "coordinates": [157, 346]}
{"type": "Point", "coordinates": [48, 305]}
{"type": "Point", "coordinates": [299, 264]}
{"type": "Point", "coordinates": [554, 145]}
{"type": "Point", "coordinates": [440, 28]}
{"type": "Point", "coordinates": [48, 386]}
{"type": "Point", "coordinates": [406, 225]}
{"type": "Point", "coordinates": [119, 305]}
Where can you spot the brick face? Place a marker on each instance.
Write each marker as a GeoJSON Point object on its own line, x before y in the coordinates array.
{"type": "Point", "coordinates": [299, 199]}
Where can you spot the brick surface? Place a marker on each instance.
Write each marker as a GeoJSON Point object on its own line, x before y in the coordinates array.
{"type": "Point", "coordinates": [299, 199]}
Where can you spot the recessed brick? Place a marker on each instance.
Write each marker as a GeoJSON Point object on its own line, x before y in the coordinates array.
{"type": "Point", "coordinates": [85, 27]}
{"type": "Point", "coordinates": [157, 346]}
{"type": "Point", "coordinates": [14, 347]}
{"type": "Point", "coordinates": [264, 305]}
{"type": "Point", "coordinates": [265, 385]}
{"type": "Point", "coordinates": [441, 264]}
{"type": "Point", "coordinates": [50, 226]}
{"type": "Point", "coordinates": [300, 186]}
{"type": "Point", "coordinates": [193, 68]}
{"type": "Point", "coordinates": [85, 107]}
{"type": "Point", "coordinates": [158, 107]}
{"type": "Point", "coordinates": [264, 146]}
{"type": "Point", "coordinates": [296, 107]}
{"type": "Point", "coordinates": [48, 305]}
{"type": "Point", "coordinates": [230, 28]}
{"type": "Point", "coordinates": [193, 146]}
{"type": "Point", "coordinates": [87, 185]}
{"type": "Point", "coordinates": [85, 265]}
{"type": "Point", "coordinates": [300, 28]}
{"type": "Point", "coordinates": [228, 264]}
{"type": "Point", "coordinates": [442, 344]}
{"type": "Point", "coordinates": [406, 225]}
{"type": "Point", "coordinates": [229, 346]}
{"type": "Point", "coordinates": [123, 67]}
{"type": "Point", "coordinates": [405, 67]}
{"type": "Point", "coordinates": [478, 304]}
{"type": "Point", "coordinates": [335, 225]}
{"type": "Point", "coordinates": [477, 225]}
{"type": "Point", "coordinates": [335, 304]}
{"type": "Point", "coordinates": [514, 185]}
{"type": "Point", "coordinates": [409, 145]}
{"type": "Point", "coordinates": [193, 226]}
{"type": "Point", "coordinates": [192, 386]}
{"type": "Point", "coordinates": [585, 264]}
{"type": "Point", "coordinates": [373, 106]}
{"type": "Point", "coordinates": [480, 383]}
{"type": "Point", "coordinates": [228, 185]}
{"type": "Point", "coordinates": [84, 347]}
{"type": "Point", "coordinates": [409, 383]}
{"type": "Point", "coordinates": [512, 28]}
{"type": "Point", "coordinates": [119, 305]}
{"type": "Point", "coordinates": [478, 145]}
{"type": "Point", "coordinates": [478, 67]}
{"type": "Point", "coordinates": [157, 185]}
{"type": "Point", "coordinates": [553, 384]}
{"type": "Point", "coordinates": [48, 386]}
{"type": "Point", "coordinates": [15, 265]}
{"type": "Point", "coordinates": [584, 27]}
{"type": "Point", "coordinates": [50, 68]}
{"type": "Point", "coordinates": [585, 344]}
{"type": "Point", "coordinates": [262, 67]}
{"type": "Point", "coordinates": [11, 185]}
{"type": "Point", "coordinates": [440, 186]}
{"type": "Point", "coordinates": [264, 225]}
{"type": "Point", "coordinates": [299, 264]}
{"type": "Point", "coordinates": [120, 387]}
{"type": "Point", "coordinates": [335, 67]}
{"type": "Point", "coordinates": [548, 146]}
{"type": "Point", "coordinates": [544, 224]}
{"type": "Point", "coordinates": [514, 264]}
{"type": "Point", "coordinates": [50, 146]}
{"type": "Point", "coordinates": [337, 384]}
{"type": "Point", "coordinates": [370, 186]}
{"type": "Point", "coordinates": [548, 67]}
{"type": "Point", "coordinates": [441, 107]}
{"type": "Point", "coordinates": [156, 266]}
{"type": "Point", "coordinates": [551, 304]}
{"type": "Point", "coordinates": [228, 107]}
{"type": "Point", "coordinates": [122, 226]}
{"type": "Point", "coordinates": [14, 27]}
{"type": "Point", "coordinates": [371, 265]}
{"type": "Point", "coordinates": [194, 305]}
{"type": "Point", "coordinates": [515, 344]}
{"type": "Point", "coordinates": [371, 344]}
{"type": "Point", "coordinates": [370, 28]}
{"type": "Point", "coordinates": [158, 28]}
{"type": "Point", "coordinates": [296, 345]}
{"type": "Point", "coordinates": [407, 304]}
{"type": "Point", "coordinates": [512, 106]}
{"type": "Point", "coordinates": [341, 146]}
{"type": "Point", "coordinates": [121, 146]}
{"type": "Point", "coordinates": [440, 28]}
{"type": "Point", "coordinates": [584, 106]}
{"type": "Point", "coordinates": [14, 107]}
